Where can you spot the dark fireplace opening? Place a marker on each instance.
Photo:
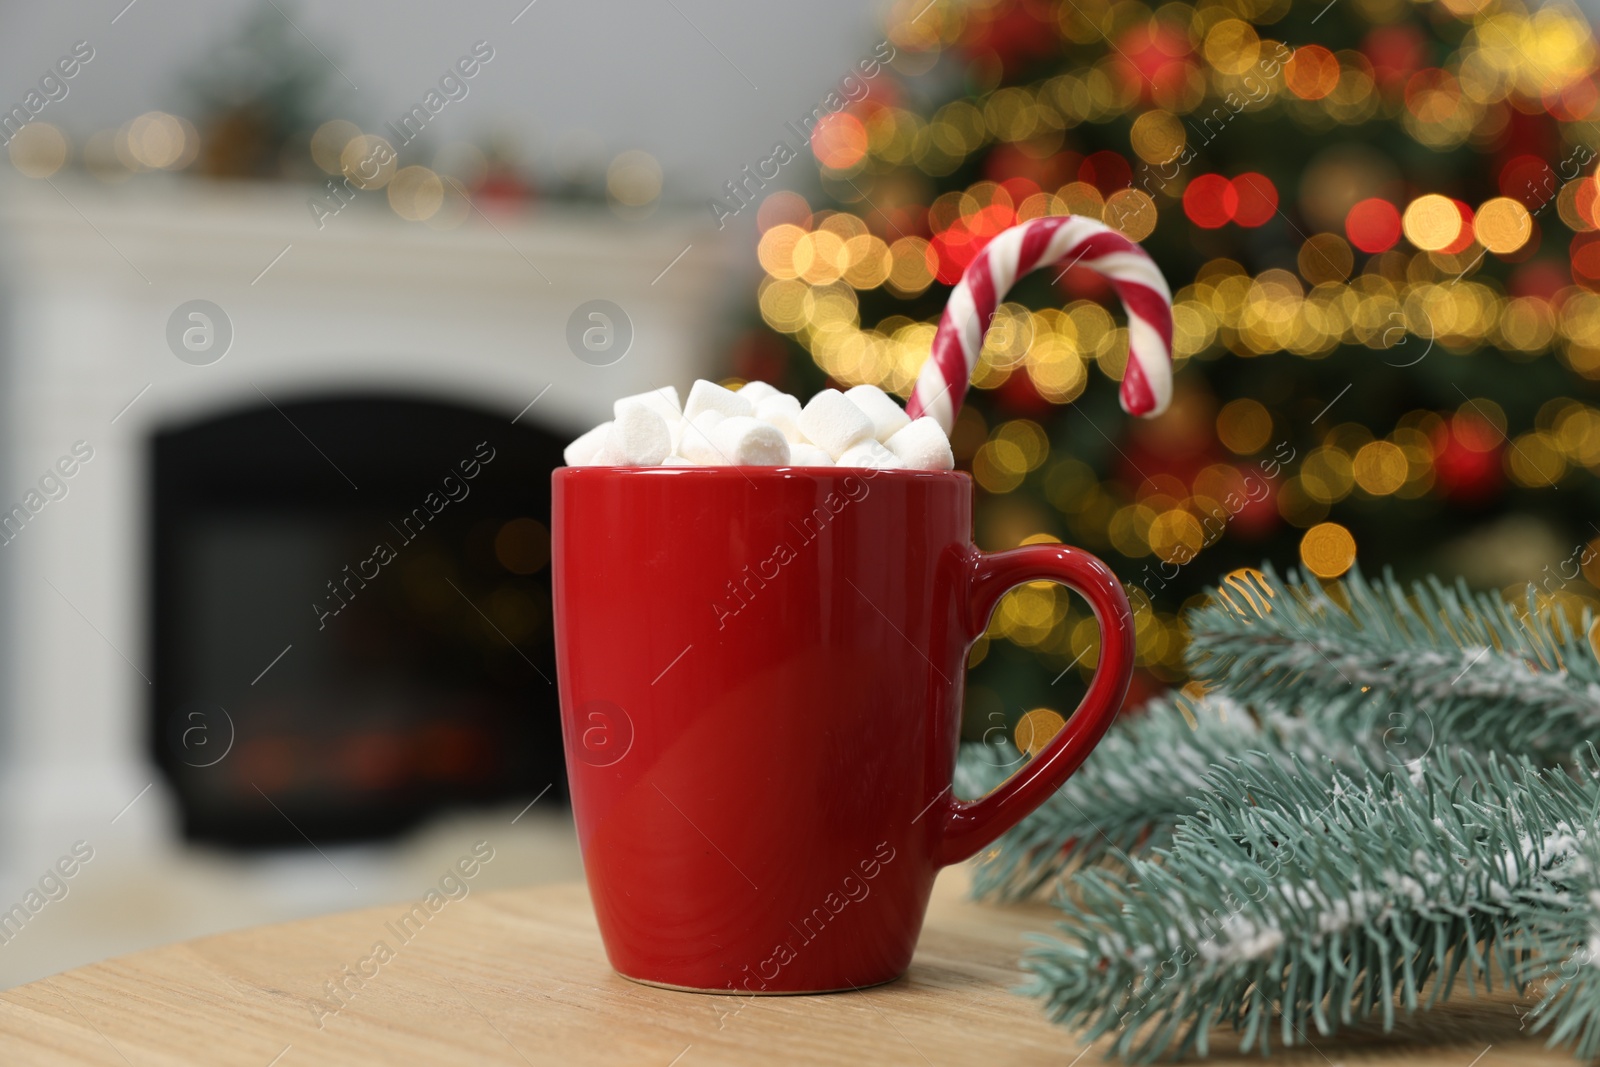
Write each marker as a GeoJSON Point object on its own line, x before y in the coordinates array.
{"type": "Point", "coordinates": [351, 618]}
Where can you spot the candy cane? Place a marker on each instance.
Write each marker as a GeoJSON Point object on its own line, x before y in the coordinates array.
{"type": "Point", "coordinates": [1147, 382]}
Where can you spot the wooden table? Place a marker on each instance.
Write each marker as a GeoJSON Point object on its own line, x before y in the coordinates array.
{"type": "Point", "coordinates": [518, 977]}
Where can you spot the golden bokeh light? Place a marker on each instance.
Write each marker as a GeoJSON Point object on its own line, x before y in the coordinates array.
{"type": "Point", "coordinates": [1132, 213]}
{"type": "Point", "coordinates": [1244, 426]}
{"type": "Point", "coordinates": [1158, 136]}
{"type": "Point", "coordinates": [415, 193]}
{"type": "Point", "coordinates": [820, 257]}
{"type": "Point", "coordinates": [1037, 729]}
{"type": "Point", "coordinates": [911, 273]}
{"type": "Point", "coordinates": [1326, 475]}
{"type": "Point", "coordinates": [1246, 592]}
{"type": "Point", "coordinates": [634, 179]}
{"type": "Point", "coordinates": [159, 141]}
{"type": "Point", "coordinates": [328, 144]}
{"type": "Point", "coordinates": [1325, 257]}
{"type": "Point", "coordinates": [1327, 550]}
{"type": "Point", "coordinates": [1312, 73]}
{"type": "Point", "coordinates": [1232, 46]}
{"type": "Point", "coordinates": [38, 150]}
{"type": "Point", "coordinates": [776, 250]}
{"type": "Point", "coordinates": [1029, 438]}
{"type": "Point", "coordinates": [1176, 535]}
{"type": "Point", "coordinates": [1380, 467]}
{"type": "Point", "coordinates": [869, 261]}
{"type": "Point", "coordinates": [1535, 460]}
{"type": "Point", "coordinates": [368, 161]}
{"type": "Point", "coordinates": [1082, 198]}
{"type": "Point", "coordinates": [1502, 225]}
{"type": "Point", "coordinates": [1431, 222]}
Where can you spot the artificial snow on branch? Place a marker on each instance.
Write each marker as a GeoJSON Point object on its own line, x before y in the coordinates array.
{"type": "Point", "coordinates": [1286, 905]}
{"type": "Point", "coordinates": [1479, 670]}
{"type": "Point", "coordinates": [1129, 793]}
{"type": "Point", "coordinates": [1437, 669]}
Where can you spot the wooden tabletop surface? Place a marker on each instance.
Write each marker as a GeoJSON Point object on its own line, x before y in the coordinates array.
{"type": "Point", "coordinates": [518, 977]}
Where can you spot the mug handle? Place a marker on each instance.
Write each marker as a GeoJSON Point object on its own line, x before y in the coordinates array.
{"type": "Point", "coordinates": [971, 826]}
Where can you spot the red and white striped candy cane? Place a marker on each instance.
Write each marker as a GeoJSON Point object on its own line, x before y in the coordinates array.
{"type": "Point", "coordinates": [1048, 242]}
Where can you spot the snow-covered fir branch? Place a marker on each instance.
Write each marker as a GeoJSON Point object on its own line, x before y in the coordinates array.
{"type": "Point", "coordinates": [1566, 929]}
{"type": "Point", "coordinates": [1435, 659]}
{"type": "Point", "coordinates": [1300, 899]}
{"type": "Point", "coordinates": [1129, 793]}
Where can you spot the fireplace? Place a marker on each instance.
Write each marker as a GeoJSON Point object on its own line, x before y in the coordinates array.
{"type": "Point", "coordinates": [358, 630]}
{"type": "Point", "coordinates": [213, 566]}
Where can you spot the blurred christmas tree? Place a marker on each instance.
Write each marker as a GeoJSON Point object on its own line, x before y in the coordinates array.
{"type": "Point", "coordinates": [1378, 218]}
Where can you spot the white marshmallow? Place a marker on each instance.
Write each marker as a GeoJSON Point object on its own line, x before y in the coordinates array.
{"type": "Point", "coordinates": [802, 454]}
{"type": "Point", "coordinates": [760, 426]}
{"type": "Point", "coordinates": [756, 392]}
{"type": "Point", "coordinates": [695, 444]}
{"type": "Point", "coordinates": [583, 451]}
{"type": "Point", "coordinates": [782, 411]}
{"type": "Point", "coordinates": [922, 446]}
{"type": "Point", "coordinates": [833, 423]}
{"type": "Point", "coordinates": [663, 402]}
{"type": "Point", "coordinates": [745, 441]}
{"type": "Point", "coordinates": [639, 437]}
{"type": "Point", "coordinates": [871, 454]}
{"type": "Point", "coordinates": [888, 418]}
{"type": "Point", "coordinates": [709, 396]}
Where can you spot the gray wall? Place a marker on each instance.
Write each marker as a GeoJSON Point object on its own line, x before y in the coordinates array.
{"type": "Point", "coordinates": [704, 85]}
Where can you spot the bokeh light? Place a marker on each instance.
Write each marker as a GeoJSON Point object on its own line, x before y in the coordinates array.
{"type": "Point", "coordinates": [1502, 225]}
{"type": "Point", "coordinates": [1255, 198]}
{"type": "Point", "coordinates": [839, 141]}
{"type": "Point", "coordinates": [1210, 201]}
{"type": "Point", "coordinates": [1327, 550]}
{"type": "Point", "coordinates": [1373, 225]}
{"type": "Point", "coordinates": [328, 144]}
{"type": "Point", "coordinates": [38, 150]}
{"type": "Point", "coordinates": [1431, 222]}
{"type": "Point", "coordinates": [415, 193]}
{"type": "Point", "coordinates": [1312, 72]}
{"type": "Point", "coordinates": [368, 162]}
{"type": "Point", "coordinates": [1244, 426]}
{"type": "Point", "coordinates": [633, 179]}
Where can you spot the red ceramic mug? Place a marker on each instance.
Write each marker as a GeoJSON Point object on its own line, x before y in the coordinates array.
{"type": "Point", "coordinates": [761, 673]}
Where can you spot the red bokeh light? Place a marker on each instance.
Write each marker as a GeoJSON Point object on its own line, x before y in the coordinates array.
{"type": "Point", "coordinates": [1154, 59]}
{"type": "Point", "coordinates": [1585, 258]}
{"type": "Point", "coordinates": [1373, 225]}
{"type": "Point", "coordinates": [1106, 171]}
{"type": "Point", "coordinates": [1587, 202]}
{"type": "Point", "coordinates": [1466, 458]}
{"type": "Point", "coordinates": [1541, 278]}
{"type": "Point", "coordinates": [1576, 102]}
{"type": "Point", "coordinates": [1465, 238]}
{"type": "Point", "coordinates": [1210, 201]}
{"type": "Point", "coordinates": [1396, 53]}
{"type": "Point", "coordinates": [1530, 180]}
{"type": "Point", "coordinates": [1019, 189]}
{"type": "Point", "coordinates": [1256, 198]}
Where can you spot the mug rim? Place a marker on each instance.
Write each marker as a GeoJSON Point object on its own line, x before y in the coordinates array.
{"type": "Point", "coordinates": [768, 473]}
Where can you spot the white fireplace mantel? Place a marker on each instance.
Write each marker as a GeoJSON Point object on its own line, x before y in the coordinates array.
{"type": "Point", "coordinates": [89, 275]}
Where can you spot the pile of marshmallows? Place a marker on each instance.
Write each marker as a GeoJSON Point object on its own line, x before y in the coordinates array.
{"type": "Point", "coordinates": [759, 426]}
